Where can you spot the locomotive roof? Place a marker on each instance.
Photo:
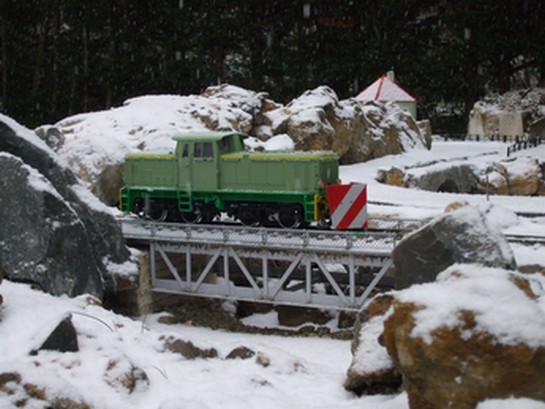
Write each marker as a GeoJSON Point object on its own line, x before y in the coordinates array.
{"type": "Point", "coordinates": [205, 136]}
{"type": "Point", "coordinates": [283, 155]}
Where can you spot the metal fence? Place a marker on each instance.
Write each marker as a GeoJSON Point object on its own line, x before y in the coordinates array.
{"type": "Point", "coordinates": [484, 138]}
{"type": "Point", "coordinates": [524, 144]}
{"type": "Point", "coordinates": [519, 142]}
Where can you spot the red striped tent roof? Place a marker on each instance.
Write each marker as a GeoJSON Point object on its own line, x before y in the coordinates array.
{"type": "Point", "coordinates": [384, 90]}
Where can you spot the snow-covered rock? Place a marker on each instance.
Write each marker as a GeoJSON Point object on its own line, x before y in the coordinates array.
{"type": "Point", "coordinates": [464, 235]}
{"type": "Point", "coordinates": [520, 176]}
{"type": "Point", "coordinates": [384, 129]}
{"type": "Point", "coordinates": [53, 231]}
{"type": "Point", "coordinates": [475, 334]}
{"type": "Point", "coordinates": [516, 176]}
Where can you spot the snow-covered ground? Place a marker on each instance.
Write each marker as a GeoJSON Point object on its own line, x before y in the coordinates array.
{"type": "Point", "coordinates": [412, 203]}
{"type": "Point", "coordinates": [303, 372]}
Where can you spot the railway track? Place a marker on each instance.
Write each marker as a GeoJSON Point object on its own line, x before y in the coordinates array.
{"type": "Point", "coordinates": [382, 230]}
{"type": "Point", "coordinates": [525, 239]}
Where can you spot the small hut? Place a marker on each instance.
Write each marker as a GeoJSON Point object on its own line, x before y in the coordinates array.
{"type": "Point", "coordinates": [385, 89]}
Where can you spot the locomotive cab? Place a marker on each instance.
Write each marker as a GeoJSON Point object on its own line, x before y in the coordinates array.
{"type": "Point", "coordinates": [198, 158]}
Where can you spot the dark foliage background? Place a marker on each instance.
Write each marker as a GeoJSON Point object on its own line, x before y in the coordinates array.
{"type": "Point", "coordinates": [60, 57]}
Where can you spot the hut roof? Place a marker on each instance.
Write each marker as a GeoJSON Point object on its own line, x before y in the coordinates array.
{"type": "Point", "coordinates": [384, 90]}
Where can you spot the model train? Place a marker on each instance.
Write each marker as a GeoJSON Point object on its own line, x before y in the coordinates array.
{"type": "Point", "coordinates": [211, 173]}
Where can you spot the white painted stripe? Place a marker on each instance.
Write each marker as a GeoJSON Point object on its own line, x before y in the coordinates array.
{"type": "Point", "coordinates": [346, 202]}
{"type": "Point", "coordinates": [360, 219]}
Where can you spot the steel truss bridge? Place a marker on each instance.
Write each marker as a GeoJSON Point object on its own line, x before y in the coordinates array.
{"type": "Point", "coordinates": [311, 268]}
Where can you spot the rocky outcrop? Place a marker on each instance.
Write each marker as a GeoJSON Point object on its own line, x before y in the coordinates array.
{"type": "Point", "coordinates": [53, 232]}
{"type": "Point", "coordinates": [372, 371]}
{"type": "Point", "coordinates": [516, 177]}
{"type": "Point", "coordinates": [94, 144]}
{"type": "Point", "coordinates": [462, 236]}
{"type": "Point", "coordinates": [475, 334]}
{"type": "Point", "coordinates": [460, 178]}
{"type": "Point", "coordinates": [520, 176]}
{"type": "Point", "coordinates": [511, 114]}
{"type": "Point", "coordinates": [383, 129]}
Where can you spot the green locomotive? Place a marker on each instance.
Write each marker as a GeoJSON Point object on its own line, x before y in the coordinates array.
{"type": "Point", "coordinates": [211, 173]}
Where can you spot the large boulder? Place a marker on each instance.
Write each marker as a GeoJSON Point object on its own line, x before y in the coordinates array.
{"type": "Point", "coordinates": [462, 236]}
{"type": "Point", "coordinates": [383, 129]}
{"type": "Point", "coordinates": [520, 176]}
{"type": "Point", "coordinates": [53, 231]}
{"type": "Point", "coordinates": [523, 176]}
{"type": "Point", "coordinates": [474, 335]}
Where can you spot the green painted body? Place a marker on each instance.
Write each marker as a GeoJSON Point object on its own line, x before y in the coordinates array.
{"type": "Point", "coordinates": [214, 169]}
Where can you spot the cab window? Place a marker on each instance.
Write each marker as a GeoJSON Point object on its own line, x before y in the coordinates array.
{"type": "Point", "coordinates": [222, 145]}
{"type": "Point", "coordinates": [197, 149]}
{"type": "Point", "coordinates": [207, 150]}
{"type": "Point", "coordinates": [185, 150]}
{"type": "Point", "coordinates": [204, 150]}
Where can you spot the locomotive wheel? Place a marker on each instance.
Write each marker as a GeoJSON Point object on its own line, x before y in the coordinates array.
{"type": "Point", "coordinates": [155, 211]}
{"type": "Point", "coordinates": [248, 216]}
{"type": "Point", "coordinates": [158, 215]}
{"type": "Point", "coordinates": [191, 217]}
{"type": "Point", "coordinates": [290, 217]}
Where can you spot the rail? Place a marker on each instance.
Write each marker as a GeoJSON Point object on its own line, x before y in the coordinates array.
{"type": "Point", "coordinates": [329, 240]}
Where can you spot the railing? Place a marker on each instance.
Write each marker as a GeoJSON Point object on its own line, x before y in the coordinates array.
{"type": "Point", "coordinates": [257, 237]}
{"type": "Point", "coordinates": [483, 138]}
{"type": "Point", "coordinates": [531, 142]}
{"type": "Point", "coordinates": [519, 141]}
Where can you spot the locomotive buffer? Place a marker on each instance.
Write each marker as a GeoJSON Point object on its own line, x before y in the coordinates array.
{"type": "Point", "coordinates": [311, 268]}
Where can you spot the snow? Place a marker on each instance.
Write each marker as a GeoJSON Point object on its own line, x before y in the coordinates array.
{"type": "Point", "coordinates": [303, 372]}
{"type": "Point", "coordinates": [500, 307]}
{"type": "Point", "coordinates": [30, 137]}
{"type": "Point", "coordinates": [145, 123]}
{"type": "Point", "coordinates": [385, 200]}
{"type": "Point", "coordinates": [511, 403]}
{"type": "Point", "coordinates": [371, 357]}
{"type": "Point", "coordinates": [90, 199]}
{"type": "Point", "coordinates": [280, 142]}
